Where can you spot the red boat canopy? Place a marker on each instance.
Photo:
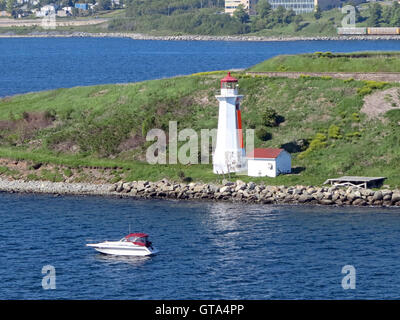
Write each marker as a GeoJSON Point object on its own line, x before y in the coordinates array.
{"type": "Point", "coordinates": [139, 235]}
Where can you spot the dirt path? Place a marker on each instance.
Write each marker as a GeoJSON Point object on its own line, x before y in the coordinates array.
{"type": "Point", "coordinates": [379, 102]}
{"type": "Point", "coordinates": [377, 76]}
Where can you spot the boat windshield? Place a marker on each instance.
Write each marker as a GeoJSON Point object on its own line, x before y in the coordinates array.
{"type": "Point", "coordinates": [137, 239]}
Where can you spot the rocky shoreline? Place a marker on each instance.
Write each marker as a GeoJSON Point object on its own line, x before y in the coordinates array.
{"type": "Point", "coordinates": [238, 191]}
{"type": "Point", "coordinates": [138, 36]}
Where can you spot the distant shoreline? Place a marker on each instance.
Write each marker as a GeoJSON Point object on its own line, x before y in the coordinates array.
{"type": "Point", "coordinates": [139, 36]}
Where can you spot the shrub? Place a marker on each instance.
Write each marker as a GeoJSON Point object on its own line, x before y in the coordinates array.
{"type": "Point", "coordinates": [318, 142]}
{"type": "Point", "coordinates": [363, 91]}
{"type": "Point", "coordinates": [334, 132]}
{"type": "Point", "coordinates": [270, 117]}
{"type": "Point", "coordinates": [351, 135]}
{"type": "Point", "coordinates": [369, 86]}
{"type": "Point", "coordinates": [263, 134]}
{"type": "Point", "coordinates": [282, 67]}
{"type": "Point", "coordinates": [355, 117]}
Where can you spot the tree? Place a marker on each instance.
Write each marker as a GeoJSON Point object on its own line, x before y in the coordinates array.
{"type": "Point", "coordinates": [375, 10]}
{"type": "Point", "coordinates": [386, 15]}
{"type": "Point", "coordinates": [104, 4]}
{"type": "Point", "coordinates": [317, 13]}
{"type": "Point", "coordinates": [289, 16]}
{"type": "Point", "coordinates": [3, 5]}
{"type": "Point", "coordinates": [297, 20]}
{"type": "Point", "coordinates": [10, 6]}
{"type": "Point", "coordinates": [278, 16]}
{"type": "Point", "coordinates": [241, 14]}
{"type": "Point", "coordinates": [263, 9]}
{"type": "Point", "coordinates": [395, 18]}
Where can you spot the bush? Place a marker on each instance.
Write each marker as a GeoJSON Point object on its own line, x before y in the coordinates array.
{"type": "Point", "coordinates": [270, 117]}
{"type": "Point", "coordinates": [263, 134]}
{"type": "Point", "coordinates": [334, 132]}
{"type": "Point", "coordinates": [369, 86]}
{"type": "Point", "coordinates": [355, 117]}
{"type": "Point", "coordinates": [351, 135]}
{"type": "Point", "coordinates": [318, 142]}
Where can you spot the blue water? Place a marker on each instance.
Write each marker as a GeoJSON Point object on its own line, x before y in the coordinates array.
{"type": "Point", "coordinates": [207, 250]}
{"type": "Point", "coordinates": [49, 63]}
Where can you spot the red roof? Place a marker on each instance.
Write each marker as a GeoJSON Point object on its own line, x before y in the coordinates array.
{"type": "Point", "coordinates": [267, 153]}
{"type": "Point", "coordinates": [228, 78]}
{"type": "Point", "coordinates": [140, 235]}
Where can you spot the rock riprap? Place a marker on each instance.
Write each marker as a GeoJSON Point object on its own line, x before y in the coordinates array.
{"type": "Point", "coordinates": [257, 193]}
{"type": "Point", "coordinates": [238, 191]}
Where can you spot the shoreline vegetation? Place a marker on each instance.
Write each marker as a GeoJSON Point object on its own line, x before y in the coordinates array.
{"type": "Point", "coordinates": [140, 36]}
{"type": "Point", "coordinates": [92, 140]}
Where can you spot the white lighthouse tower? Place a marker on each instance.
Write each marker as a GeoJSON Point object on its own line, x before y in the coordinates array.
{"type": "Point", "coordinates": [229, 155]}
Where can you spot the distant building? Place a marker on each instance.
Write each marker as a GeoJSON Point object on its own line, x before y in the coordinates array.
{"type": "Point", "coordinates": [249, 5]}
{"type": "Point", "coordinates": [46, 10]}
{"type": "Point", "coordinates": [269, 162]}
{"type": "Point", "coordinates": [64, 13]}
{"type": "Point", "coordinates": [304, 6]}
{"type": "Point", "coordinates": [82, 6]}
{"type": "Point", "coordinates": [5, 14]}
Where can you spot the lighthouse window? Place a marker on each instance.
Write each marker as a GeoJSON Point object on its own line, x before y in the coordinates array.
{"type": "Point", "coordinates": [228, 85]}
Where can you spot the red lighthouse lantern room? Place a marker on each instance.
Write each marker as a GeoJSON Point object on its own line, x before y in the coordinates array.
{"type": "Point", "coordinates": [229, 82]}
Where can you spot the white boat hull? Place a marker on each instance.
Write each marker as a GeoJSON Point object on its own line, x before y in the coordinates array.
{"type": "Point", "coordinates": [127, 249]}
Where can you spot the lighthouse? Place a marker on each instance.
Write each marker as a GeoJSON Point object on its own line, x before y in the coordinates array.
{"type": "Point", "coordinates": [229, 155]}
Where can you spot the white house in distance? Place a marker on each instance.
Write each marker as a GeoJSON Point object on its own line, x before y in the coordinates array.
{"type": "Point", "coordinates": [268, 162]}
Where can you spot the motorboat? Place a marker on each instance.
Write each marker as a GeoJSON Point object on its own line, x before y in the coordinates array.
{"type": "Point", "coordinates": [134, 244]}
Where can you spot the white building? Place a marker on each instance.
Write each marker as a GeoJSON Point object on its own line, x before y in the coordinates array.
{"type": "Point", "coordinates": [268, 162]}
{"type": "Point", "coordinates": [229, 155]}
{"type": "Point", "coordinates": [248, 5]}
{"type": "Point", "coordinates": [46, 10]}
{"type": "Point", "coordinates": [303, 6]}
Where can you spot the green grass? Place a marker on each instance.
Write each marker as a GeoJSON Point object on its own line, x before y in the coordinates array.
{"type": "Point", "coordinates": [98, 120]}
{"type": "Point", "coordinates": [338, 62]}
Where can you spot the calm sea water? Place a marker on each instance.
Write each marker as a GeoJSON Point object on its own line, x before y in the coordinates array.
{"type": "Point", "coordinates": [49, 63]}
{"type": "Point", "coordinates": [207, 250]}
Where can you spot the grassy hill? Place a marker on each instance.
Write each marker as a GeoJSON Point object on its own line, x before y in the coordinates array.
{"type": "Point", "coordinates": [328, 62]}
{"type": "Point", "coordinates": [320, 123]}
